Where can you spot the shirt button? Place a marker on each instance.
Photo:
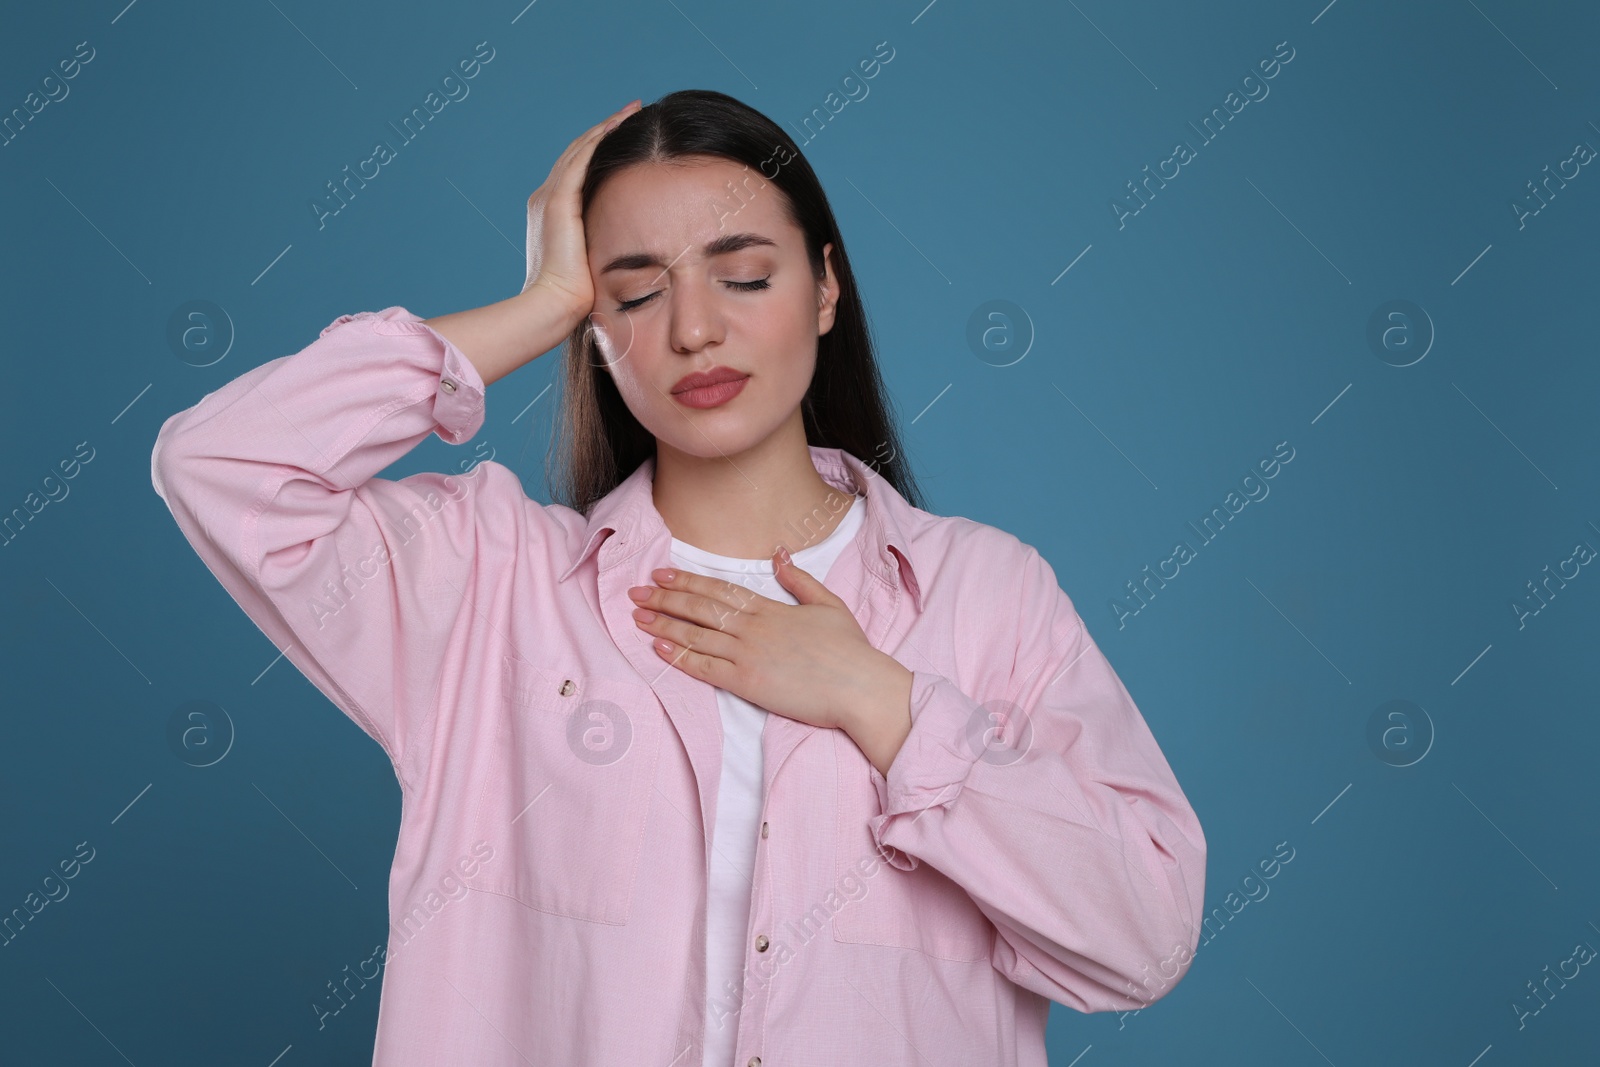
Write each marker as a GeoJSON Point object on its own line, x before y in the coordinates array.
{"type": "Point", "coordinates": [447, 385]}
{"type": "Point", "coordinates": [761, 943]}
{"type": "Point", "coordinates": [755, 1061]}
{"type": "Point", "coordinates": [763, 829]}
{"type": "Point", "coordinates": [566, 688]}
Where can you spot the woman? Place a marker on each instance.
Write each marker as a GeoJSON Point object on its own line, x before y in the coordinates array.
{"type": "Point", "coordinates": [736, 756]}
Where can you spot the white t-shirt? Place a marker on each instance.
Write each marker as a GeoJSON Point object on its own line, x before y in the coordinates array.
{"type": "Point", "coordinates": [738, 826]}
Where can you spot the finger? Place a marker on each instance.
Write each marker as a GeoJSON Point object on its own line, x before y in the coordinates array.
{"type": "Point", "coordinates": [709, 641]}
{"type": "Point", "coordinates": [577, 152]}
{"type": "Point", "coordinates": [729, 593]}
{"type": "Point", "coordinates": [712, 669]}
{"type": "Point", "coordinates": [806, 587]}
{"type": "Point", "coordinates": [591, 136]}
{"type": "Point", "coordinates": [623, 112]}
{"type": "Point", "coordinates": [609, 123]}
{"type": "Point", "coordinates": [573, 164]}
{"type": "Point", "coordinates": [701, 610]}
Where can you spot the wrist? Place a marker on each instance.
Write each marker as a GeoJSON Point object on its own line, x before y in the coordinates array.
{"type": "Point", "coordinates": [499, 338]}
{"type": "Point", "coordinates": [553, 307]}
{"type": "Point", "coordinates": [544, 316]}
{"type": "Point", "coordinates": [880, 722]}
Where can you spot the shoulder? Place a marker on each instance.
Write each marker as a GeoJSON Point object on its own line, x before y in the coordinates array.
{"type": "Point", "coordinates": [1011, 584]}
{"type": "Point", "coordinates": [994, 597]}
{"type": "Point", "coordinates": [957, 555]}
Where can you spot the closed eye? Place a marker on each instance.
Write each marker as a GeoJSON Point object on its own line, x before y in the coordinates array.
{"type": "Point", "coordinates": [745, 287]}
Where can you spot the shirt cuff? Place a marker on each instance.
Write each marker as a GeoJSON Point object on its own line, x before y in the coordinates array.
{"type": "Point", "coordinates": [458, 405]}
{"type": "Point", "coordinates": [947, 736]}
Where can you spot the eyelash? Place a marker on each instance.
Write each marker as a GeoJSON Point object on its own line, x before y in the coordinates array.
{"type": "Point", "coordinates": [747, 287]}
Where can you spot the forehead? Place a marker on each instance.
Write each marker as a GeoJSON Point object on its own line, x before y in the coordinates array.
{"type": "Point", "coordinates": [666, 207]}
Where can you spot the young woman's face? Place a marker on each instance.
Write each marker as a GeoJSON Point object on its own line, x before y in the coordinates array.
{"type": "Point", "coordinates": [668, 306]}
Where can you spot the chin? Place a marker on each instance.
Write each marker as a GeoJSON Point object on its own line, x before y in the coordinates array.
{"type": "Point", "coordinates": [714, 441]}
{"type": "Point", "coordinates": [711, 446]}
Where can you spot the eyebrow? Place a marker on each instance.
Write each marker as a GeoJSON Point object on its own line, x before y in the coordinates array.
{"type": "Point", "coordinates": [729, 242]}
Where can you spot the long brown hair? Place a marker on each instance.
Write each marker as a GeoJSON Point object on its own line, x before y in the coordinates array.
{"type": "Point", "coordinates": [846, 406]}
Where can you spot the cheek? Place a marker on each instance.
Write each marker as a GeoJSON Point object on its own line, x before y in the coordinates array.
{"type": "Point", "coordinates": [636, 373]}
{"type": "Point", "coordinates": [805, 366]}
{"type": "Point", "coordinates": [790, 334]}
{"type": "Point", "coordinates": [621, 350]}
{"type": "Point", "coordinates": [628, 376]}
{"type": "Point", "coordinates": [802, 316]}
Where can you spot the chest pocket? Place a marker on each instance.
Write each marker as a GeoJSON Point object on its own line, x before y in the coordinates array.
{"type": "Point", "coordinates": [566, 790]}
{"type": "Point", "coordinates": [921, 909]}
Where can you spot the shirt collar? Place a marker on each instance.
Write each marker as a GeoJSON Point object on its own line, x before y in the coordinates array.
{"type": "Point", "coordinates": [629, 512]}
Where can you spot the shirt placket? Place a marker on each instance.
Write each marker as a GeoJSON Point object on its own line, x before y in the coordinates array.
{"type": "Point", "coordinates": [873, 602]}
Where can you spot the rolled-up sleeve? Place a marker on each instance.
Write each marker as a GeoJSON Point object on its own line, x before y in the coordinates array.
{"type": "Point", "coordinates": [1051, 804]}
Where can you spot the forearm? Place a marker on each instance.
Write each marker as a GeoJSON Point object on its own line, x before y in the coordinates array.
{"type": "Point", "coordinates": [498, 338]}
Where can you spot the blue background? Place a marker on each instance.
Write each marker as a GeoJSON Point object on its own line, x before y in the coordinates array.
{"type": "Point", "coordinates": [1438, 866]}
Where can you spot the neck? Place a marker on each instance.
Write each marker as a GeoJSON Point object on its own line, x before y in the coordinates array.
{"type": "Point", "coordinates": [747, 505]}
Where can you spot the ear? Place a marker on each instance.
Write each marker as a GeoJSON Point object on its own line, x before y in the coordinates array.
{"type": "Point", "coordinates": [827, 292]}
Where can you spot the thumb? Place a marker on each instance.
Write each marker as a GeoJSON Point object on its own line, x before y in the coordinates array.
{"type": "Point", "coordinates": [806, 588]}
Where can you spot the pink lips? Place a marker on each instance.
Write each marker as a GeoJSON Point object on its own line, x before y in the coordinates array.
{"type": "Point", "coordinates": [708, 389]}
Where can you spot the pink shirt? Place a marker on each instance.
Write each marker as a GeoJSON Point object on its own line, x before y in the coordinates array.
{"type": "Point", "coordinates": [736, 843]}
{"type": "Point", "coordinates": [547, 902]}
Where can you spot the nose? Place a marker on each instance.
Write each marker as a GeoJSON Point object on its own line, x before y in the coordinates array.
{"type": "Point", "coordinates": [696, 321]}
